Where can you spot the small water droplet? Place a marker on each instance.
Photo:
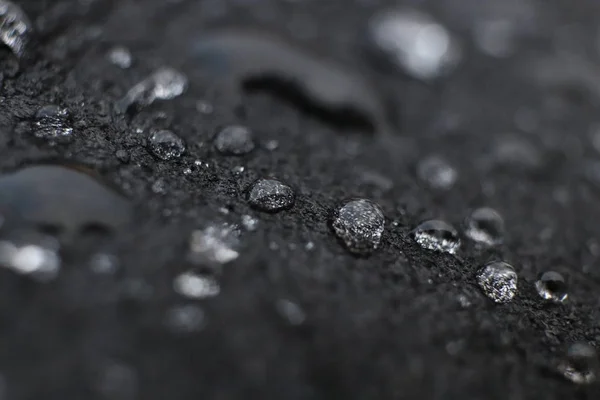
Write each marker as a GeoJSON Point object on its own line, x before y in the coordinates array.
{"type": "Point", "coordinates": [485, 226]}
{"type": "Point", "coordinates": [249, 222]}
{"type": "Point", "coordinates": [271, 195]}
{"type": "Point", "coordinates": [52, 122]}
{"type": "Point", "coordinates": [214, 244]}
{"type": "Point", "coordinates": [235, 140]}
{"type": "Point", "coordinates": [437, 235]}
{"type": "Point", "coordinates": [238, 169]}
{"type": "Point", "coordinates": [196, 286]}
{"type": "Point", "coordinates": [185, 319]}
{"type": "Point", "coordinates": [552, 286]}
{"type": "Point", "coordinates": [15, 27]}
{"type": "Point", "coordinates": [166, 145]}
{"type": "Point", "coordinates": [498, 281]}
{"type": "Point", "coordinates": [437, 173]}
{"type": "Point", "coordinates": [581, 364]}
{"type": "Point", "coordinates": [359, 224]}
{"type": "Point", "coordinates": [103, 263]}
{"type": "Point", "coordinates": [291, 311]}
{"type": "Point", "coordinates": [204, 107]}
{"type": "Point", "coordinates": [159, 186]}
{"type": "Point", "coordinates": [272, 145]}
{"type": "Point", "coordinates": [164, 84]}
{"type": "Point", "coordinates": [310, 246]}
{"type": "Point", "coordinates": [120, 56]}
{"type": "Point", "coordinates": [415, 43]}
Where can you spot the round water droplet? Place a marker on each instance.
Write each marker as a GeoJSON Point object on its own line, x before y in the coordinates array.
{"type": "Point", "coordinates": [166, 145]}
{"type": "Point", "coordinates": [120, 56]}
{"type": "Point", "coordinates": [498, 281]}
{"type": "Point", "coordinates": [581, 364]}
{"type": "Point", "coordinates": [271, 195]}
{"type": "Point", "coordinates": [234, 140]}
{"type": "Point", "coordinates": [485, 226]}
{"type": "Point", "coordinates": [15, 27]}
{"type": "Point", "coordinates": [437, 235]}
{"type": "Point", "coordinates": [196, 286]}
{"type": "Point", "coordinates": [552, 286]}
{"type": "Point", "coordinates": [359, 224]}
{"type": "Point", "coordinates": [52, 122]}
{"type": "Point", "coordinates": [437, 173]}
{"type": "Point", "coordinates": [414, 42]}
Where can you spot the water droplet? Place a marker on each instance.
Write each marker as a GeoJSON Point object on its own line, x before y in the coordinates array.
{"type": "Point", "coordinates": [437, 235]}
{"type": "Point", "coordinates": [581, 364]}
{"type": "Point", "coordinates": [120, 56]}
{"type": "Point", "coordinates": [214, 244]}
{"type": "Point", "coordinates": [204, 107]}
{"type": "Point", "coordinates": [52, 122]}
{"type": "Point", "coordinates": [159, 186]}
{"type": "Point", "coordinates": [485, 226]}
{"type": "Point", "coordinates": [271, 195]}
{"type": "Point", "coordinates": [291, 311]}
{"type": "Point", "coordinates": [103, 263]}
{"type": "Point", "coordinates": [166, 145]}
{"type": "Point", "coordinates": [498, 281]}
{"type": "Point", "coordinates": [437, 173]}
{"type": "Point", "coordinates": [185, 319]}
{"type": "Point", "coordinates": [272, 145]}
{"type": "Point", "coordinates": [164, 84]}
{"type": "Point", "coordinates": [238, 169]}
{"type": "Point", "coordinates": [310, 246]}
{"type": "Point", "coordinates": [359, 224]}
{"type": "Point", "coordinates": [552, 286]}
{"type": "Point", "coordinates": [234, 140]}
{"type": "Point", "coordinates": [249, 222]}
{"type": "Point", "coordinates": [15, 27]}
{"type": "Point", "coordinates": [40, 261]}
{"type": "Point", "coordinates": [196, 286]}
{"type": "Point", "coordinates": [415, 43]}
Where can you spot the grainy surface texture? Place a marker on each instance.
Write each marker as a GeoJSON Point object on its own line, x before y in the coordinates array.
{"type": "Point", "coordinates": [278, 308]}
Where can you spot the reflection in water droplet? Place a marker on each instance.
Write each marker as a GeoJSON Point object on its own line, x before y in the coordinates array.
{"type": "Point", "coordinates": [485, 226]}
{"type": "Point", "coordinates": [234, 140]}
{"type": "Point", "coordinates": [40, 261]}
{"type": "Point", "coordinates": [437, 235]}
{"type": "Point", "coordinates": [166, 145]}
{"type": "Point", "coordinates": [415, 43]}
{"type": "Point", "coordinates": [52, 122]}
{"type": "Point", "coordinates": [437, 173]}
{"type": "Point", "coordinates": [120, 56]}
{"type": "Point", "coordinates": [196, 286]}
{"type": "Point", "coordinates": [164, 84]}
{"type": "Point", "coordinates": [15, 27]}
{"type": "Point", "coordinates": [291, 311]}
{"type": "Point", "coordinates": [498, 281]}
{"type": "Point", "coordinates": [185, 319]}
{"type": "Point", "coordinates": [359, 224]}
{"type": "Point", "coordinates": [271, 195]}
{"type": "Point", "coordinates": [552, 286]}
{"type": "Point", "coordinates": [214, 244]}
{"type": "Point", "coordinates": [581, 364]}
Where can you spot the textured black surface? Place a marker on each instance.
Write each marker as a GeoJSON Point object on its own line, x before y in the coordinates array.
{"type": "Point", "coordinates": [390, 326]}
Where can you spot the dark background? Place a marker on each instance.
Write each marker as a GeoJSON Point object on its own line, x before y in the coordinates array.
{"type": "Point", "coordinates": [389, 326]}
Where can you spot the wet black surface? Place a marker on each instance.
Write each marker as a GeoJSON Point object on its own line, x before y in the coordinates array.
{"type": "Point", "coordinates": [402, 323]}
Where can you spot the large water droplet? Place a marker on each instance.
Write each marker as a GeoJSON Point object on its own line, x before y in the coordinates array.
{"type": "Point", "coordinates": [196, 286]}
{"type": "Point", "coordinates": [581, 364]}
{"type": "Point", "coordinates": [52, 122]}
{"type": "Point", "coordinates": [234, 140]}
{"type": "Point", "coordinates": [485, 226]}
{"type": "Point", "coordinates": [437, 173]}
{"type": "Point", "coordinates": [359, 224]}
{"type": "Point", "coordinates": [166, 145]}
{"type": "Point", "coordinates": [120, 56]}
{"type": "Point", "coordinates": [437, 235]}
{"type": "Point", "coordinates": [415, 43]}
{"type": "Point", "coordinates": [164, 84]}
{"type": "Point", "coordinates": [552, 286]}
{"type": "Point", "coordinates": [15, 27]}
{"type": "Point", "coordinates": [498, 281]}
{"type": "Point", "coordinates": [215, 244]}
{"type": "Point", "coordinates": [271, 195]}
